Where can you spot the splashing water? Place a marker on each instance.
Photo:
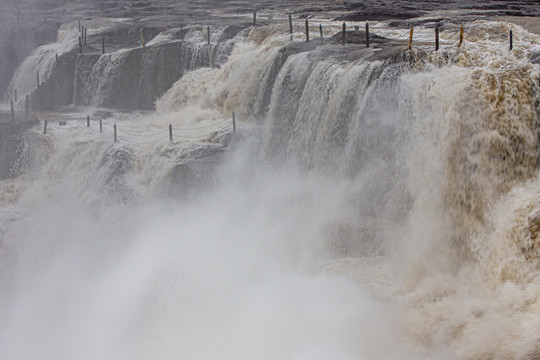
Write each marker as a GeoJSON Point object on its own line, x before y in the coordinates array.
{"type": "Point", "coordinates": [368, 209]}
{"type": "Point", "coordinates": [43, 59]}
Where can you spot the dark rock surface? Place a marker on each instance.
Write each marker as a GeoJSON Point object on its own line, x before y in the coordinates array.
{"type": "Point", "coordinates": [57, 90]}
{"type": "Point", "coordinates": [358, 37]}
{"type": "Point", "coordinates": [194, 174]}
{"type": "Point", "coordinates": [535, 58]}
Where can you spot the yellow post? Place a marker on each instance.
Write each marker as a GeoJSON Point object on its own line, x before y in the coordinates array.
{"type": "Point", "coordinates": [460, 36]}
{"type": "Point", "coordinates": [142, 38]}
{"type": "Point", "coordinates": [410, 37]}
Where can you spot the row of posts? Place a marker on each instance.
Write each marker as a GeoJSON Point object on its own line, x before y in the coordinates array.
{"type": "Point", "coordinates": [83, 30]}
{"type": "Point", "coordinates": [15, 94]}
{"type": "Point", "coordinates": [344, 32]}
{"type": "Point", "coordinates": [114, 125]}
{"type": "Point", "coordinates": [510, 36]}
{"type": "Point", "coordinates": [83, 37]}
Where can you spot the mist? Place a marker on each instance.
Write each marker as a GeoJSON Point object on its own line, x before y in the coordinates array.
{"type": "Point", "coordinates": [366, 203]}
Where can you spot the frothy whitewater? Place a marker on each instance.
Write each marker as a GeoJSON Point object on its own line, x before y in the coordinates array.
{"type": "Point", "coordinates": [368, 207]}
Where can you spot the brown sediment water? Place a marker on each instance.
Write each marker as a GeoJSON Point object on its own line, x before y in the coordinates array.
{"type": "Point", "coordinates": [373, 203]}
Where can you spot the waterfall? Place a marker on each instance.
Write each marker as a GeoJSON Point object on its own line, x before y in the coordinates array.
{"type": "Point", "coordinates": [134, 78]}
{"type": "Point", "coordinates": [372, 204]}
{"type": "Point", "coordinates": [42, 60]}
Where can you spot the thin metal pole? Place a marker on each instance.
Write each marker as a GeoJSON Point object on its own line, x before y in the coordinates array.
{"type": "Point", "coordinates": [115, 138]}
{"type": "Point", "coordinates": [367, 35]}
{"type": "Point", "coordinates": [307, 31]}
{"type": "Point", "coordinates": [290, 25]}
{"type": "Point", "coordinates": [320, 31]}
{"type": "Point", "coordinates": [233, 123]}
{"type": "Point", "coordinates": [170, 132]}
{"type": "Point", "coordinates": [437, 38]}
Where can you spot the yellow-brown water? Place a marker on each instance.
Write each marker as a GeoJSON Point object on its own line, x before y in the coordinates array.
{"type": "Point", "coordinates": [371, 207]}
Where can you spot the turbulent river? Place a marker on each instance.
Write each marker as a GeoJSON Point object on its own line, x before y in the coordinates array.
{"type": "Point", "coordinates": [368, 206]}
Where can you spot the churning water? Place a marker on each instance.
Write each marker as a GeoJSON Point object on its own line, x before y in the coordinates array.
{"type": "Point", "coordinates": [369, 207]}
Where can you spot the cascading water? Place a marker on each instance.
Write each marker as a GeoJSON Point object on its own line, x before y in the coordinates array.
{"type": "Point", "coordinates": [370, 207]}
{"type": "Point", "coordinates": [42, 60]}
{"type": "Point", "coordinates": [132, 78]}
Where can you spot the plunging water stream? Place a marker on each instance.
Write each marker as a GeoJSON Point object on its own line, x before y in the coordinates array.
{"type": "Point", "coordinates": [369, 207]}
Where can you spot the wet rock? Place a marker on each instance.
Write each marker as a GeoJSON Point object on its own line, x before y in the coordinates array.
{"type": "Point", "coordinates": [57, 90]}
{"type": "Point", "coordinates": [103, 114]}
{"type": "Point", "coordinates": [535, 58]}
{"type": "Point", "coordinates": [379, 15]}
{"type": "Point", "coordinates": [359, 37]}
